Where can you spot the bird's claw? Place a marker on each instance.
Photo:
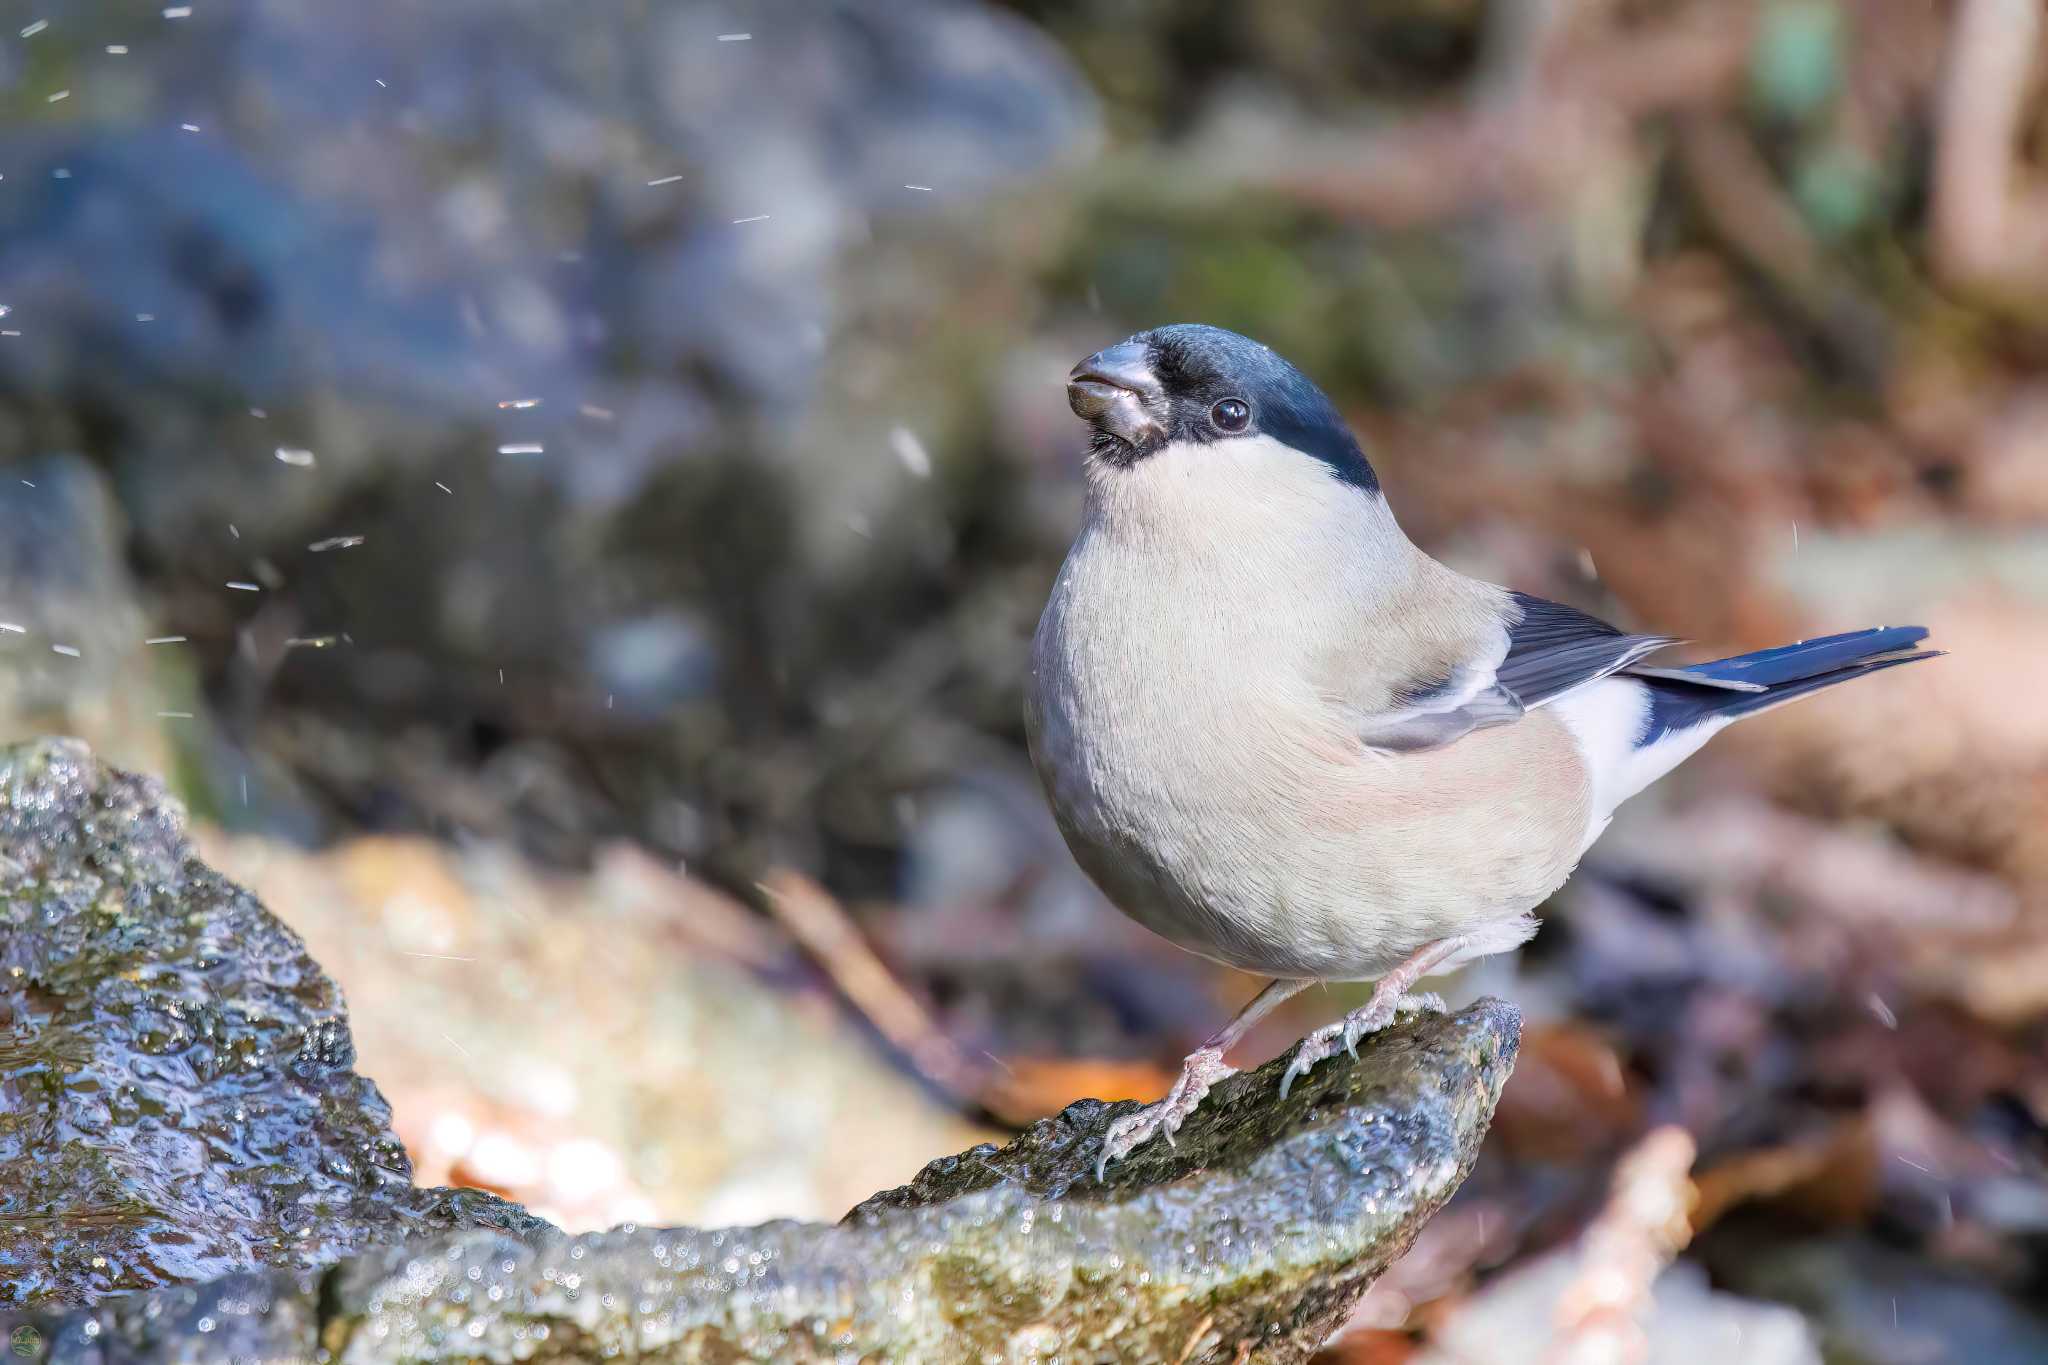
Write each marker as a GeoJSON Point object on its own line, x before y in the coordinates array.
{"type": "Point", "coordinates": [1367, 1019]}
{"type": "Point", "coordinates": [1125, 1135]}
{"type": "Point", "coordinates": [1310, 1050]}
{"type": "Point", "coordinates": [1198, 1073]}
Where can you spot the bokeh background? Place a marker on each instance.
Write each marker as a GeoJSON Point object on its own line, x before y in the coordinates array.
{"type": "Point", "coordinates": [563, 493]}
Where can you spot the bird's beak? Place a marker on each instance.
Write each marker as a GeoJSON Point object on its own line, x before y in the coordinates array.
{"type": "Point", "coordinates": [1115, 390]}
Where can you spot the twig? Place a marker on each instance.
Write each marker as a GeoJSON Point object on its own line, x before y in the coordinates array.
{"type": "Point", "coordinates": [699, 913]}
{"type": "Point", "coordinates": [1644, 1224]}
{"type": "Point", "coordinates": [1988, 231]}
{"type": "Point", "coordinates": [822, 926]}
{"type": "Point", "coordinates": [1740, 196]}
{"type": "Point", "coordinates": [1742, 200]}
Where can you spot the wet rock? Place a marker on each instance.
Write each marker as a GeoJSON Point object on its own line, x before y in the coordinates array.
{"type": "Point", "coordinates": [1262, 1227]}
{"type": "Point", "coordinates": [182, 1110]}
{"type": "Point", "coordinates": [176, 1098]}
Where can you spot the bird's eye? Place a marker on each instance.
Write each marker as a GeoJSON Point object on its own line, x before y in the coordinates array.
{"type": "Point", "coordinates": [1232, 414]}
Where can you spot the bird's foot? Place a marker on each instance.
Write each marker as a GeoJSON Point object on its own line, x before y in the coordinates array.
{"type": "Point", "coordinates": [1374, 1015]}
{"type": "Point", "coordinates": [1201, 1070]}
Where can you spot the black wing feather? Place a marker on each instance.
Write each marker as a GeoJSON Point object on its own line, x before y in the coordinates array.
{"type": "Point", "coordinates": [1554, 648]}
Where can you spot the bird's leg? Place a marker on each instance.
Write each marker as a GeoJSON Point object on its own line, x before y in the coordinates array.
{"type": "Point", "coordinates": [1201, 1069]}
{"type": "Point", "coordinates": [1390, 998]}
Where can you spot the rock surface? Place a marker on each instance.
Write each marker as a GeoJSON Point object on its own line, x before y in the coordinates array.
{"type": "Point", "coordinates": [181, 1112]}
{"type": "Point", "coordinates": [176, 1093]}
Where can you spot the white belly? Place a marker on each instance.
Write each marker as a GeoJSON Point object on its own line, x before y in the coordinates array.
{"type": "Point", "coordinates": [1218, 800]}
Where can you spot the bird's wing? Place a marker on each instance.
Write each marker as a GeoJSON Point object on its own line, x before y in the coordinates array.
{"type": "Point", "coordinates": [1545, 651]}
{"type": "Point", "coordinates": [1554, 649]}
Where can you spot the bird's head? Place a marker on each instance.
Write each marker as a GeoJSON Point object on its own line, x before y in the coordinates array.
{"type": "Point", "coordinates": [1174, 391]}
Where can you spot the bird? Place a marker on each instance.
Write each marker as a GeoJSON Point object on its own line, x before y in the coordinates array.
{"type": "Point", "coordinates": [1278, 733]}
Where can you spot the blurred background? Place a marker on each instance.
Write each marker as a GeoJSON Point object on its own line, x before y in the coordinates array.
{"type": "Point", "coordinates": [563, 493]}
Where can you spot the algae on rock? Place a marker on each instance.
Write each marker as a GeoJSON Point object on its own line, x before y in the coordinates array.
{"type": "Point", "coordinates": [188, 1114]}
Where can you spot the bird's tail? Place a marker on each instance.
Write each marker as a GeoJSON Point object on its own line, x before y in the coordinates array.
{"type": "Point", "coordinates": [1722, 690]}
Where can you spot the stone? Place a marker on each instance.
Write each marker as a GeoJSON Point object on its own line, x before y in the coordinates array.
{"type": "Point", "coordinates": [182, 1117]}
{"type": "Point", "coordinates": [176, 1094]}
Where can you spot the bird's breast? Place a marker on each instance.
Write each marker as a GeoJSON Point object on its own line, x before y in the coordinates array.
{"type": "Point", "coordinates": [1151, 683]}
{"type": "Point", "coordinates": [1218, 795]}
